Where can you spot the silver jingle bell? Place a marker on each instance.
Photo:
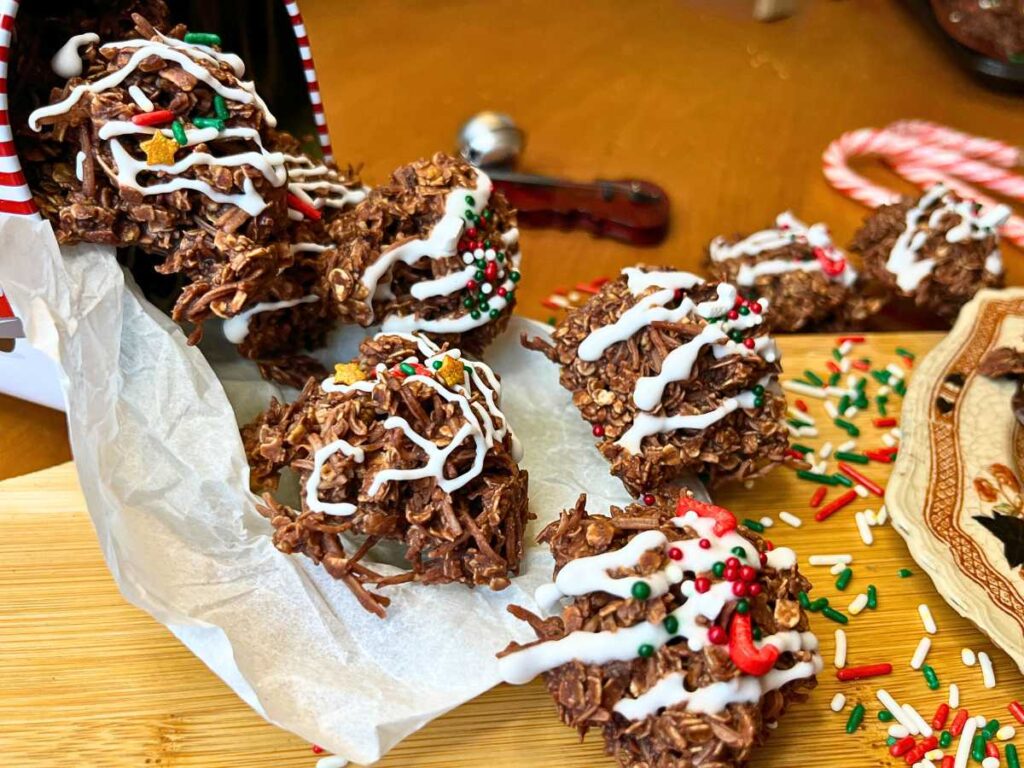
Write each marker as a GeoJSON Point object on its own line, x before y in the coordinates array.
{"type": "Point", "coordinates": [491, 139]}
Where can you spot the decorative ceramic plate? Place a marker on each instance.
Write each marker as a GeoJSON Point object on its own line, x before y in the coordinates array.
{"type": "Point", "coordinates": [955, 492]}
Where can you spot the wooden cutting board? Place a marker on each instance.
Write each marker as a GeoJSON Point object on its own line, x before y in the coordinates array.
{"type": "Point", "coordinates": [88, 680]}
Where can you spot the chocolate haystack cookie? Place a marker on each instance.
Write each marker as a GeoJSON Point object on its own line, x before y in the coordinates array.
{"type": "Point", "coordinates": [939, 250]}
{"type": "Point", "coordinates": [681, 636]}
{"type": "Point", "coordinates": [806, 279]}
{"type": "Point", "coordinates": [1007, 363]}
{"type": "Point", "coordinates": [676, 375]}
{"type": "Point", "coordinates": [434, 251]}
{"type": "Point", "coordinates": [405, 443]}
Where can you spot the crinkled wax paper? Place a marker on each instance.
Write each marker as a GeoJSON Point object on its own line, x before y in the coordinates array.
{"type": "Point", "coordinates": [161, 465]}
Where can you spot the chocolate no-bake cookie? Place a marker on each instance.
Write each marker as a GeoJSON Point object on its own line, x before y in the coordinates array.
{"type": "Point", "coordinates": [405, 443]}
{"type": "Point", "coordinates": [677, 633]}
{"type": "Point", "coordinates": [676, 375]}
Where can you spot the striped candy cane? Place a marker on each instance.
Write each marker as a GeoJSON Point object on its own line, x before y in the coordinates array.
{"type": "Point", "coordinates": [312, 82]}
{"type": "Point", "coordinates": [15, 196]}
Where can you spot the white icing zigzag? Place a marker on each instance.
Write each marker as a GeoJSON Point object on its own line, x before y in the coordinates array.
{"type": "Point", "coordinates": [591, 574]}
{"type": "Point", "coordinates": [305, 177]}
{"type": "Point", "coordinates": [787, 229]}
{"type": "Point", "coordinates": [678, 364]}
{"type": "Point", "coordinates": [903, 261]}
{"type": "Point", "coordinates": [484, 424]}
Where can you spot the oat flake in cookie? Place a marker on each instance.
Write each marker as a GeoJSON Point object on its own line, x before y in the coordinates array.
{"type": "Point", "coordinates": [676, 376]}
{"type": "Point", "coordinates": [796, 267]}
{"type": "Point", "coordinates": [938, 250]}
{"type": "Point", "coordinates": [677, 633]}
{"type": "Point", "coordinates": [434, 251]}
{"type": "Point", "coordinates": [406, 443]}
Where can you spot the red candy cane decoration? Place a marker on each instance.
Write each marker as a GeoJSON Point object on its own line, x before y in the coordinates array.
{"type": "Point", "coordinates": [926, 154]}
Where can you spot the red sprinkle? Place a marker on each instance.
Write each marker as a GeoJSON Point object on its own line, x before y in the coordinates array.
{"type": "Point", "coordinates": [941, 716]}
{"type": "Point", "coordinates": [587, 288]}
{"type": "Point", "coordinates": [857, 477]}
{"type": "Point", "coordinates": [701, 584]}
{"type": "Point", "coordinates": [1017, 710]}
{"type": "Point", "coordinates": [835, 505]}
{"type": "Point", "coordinates": [800, 405]}
{"type": "Point", "coordinates": [886, 422]}
{"type": "Point", "coordinates": [889, 449]}
{"type": "Point", "coordinates": [902, 746]}
{"type": "Point", "coordinates": [991, 750]}
{"type": "Point", "coordinates": [675, 553]}
{"type": "Point", "coordinates": [948, 762]}
{"type": "Point", "coordinates": [885, 458]}
{"type": "Point", "coordinates": [833, 367]}
{"type": "Point", "coordinates": [860, 365]}
{"type": "Point", "coordinates": [818, 497]}
{"type": "Point", "coordinates": [959, 721]}
{"type": "Point", "coordinates": [852, 339]}
{"type": "Point", "coordinates": [159, 117]}
{"type": "Point", "coordinates": [649, 499]}
{"type": "Point", "coordinates": [598, 430]}
{"type": "Point", "coordinates": [794, 454]}
{"type": "Point", "coordinates": [862, 673]}
{"type": "Point", "coordinates": [300, 205]}
{"type": "Point", "coordinates": [317, 749]}
{"type": "Point", "coordinates": [908, 361]}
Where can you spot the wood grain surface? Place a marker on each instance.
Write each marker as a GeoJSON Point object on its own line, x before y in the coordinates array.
{"type": "Point", "coordinates": [89, 679]}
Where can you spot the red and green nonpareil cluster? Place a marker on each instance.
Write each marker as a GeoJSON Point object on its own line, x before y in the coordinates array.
{"type": "Point", "coordinates": [493, 267]}
{"type": "Point", "coordinates": [741, 308]}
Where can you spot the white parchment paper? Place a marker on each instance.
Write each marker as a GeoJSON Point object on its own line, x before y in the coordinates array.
{"type": "Point", "coordinates": [161, 465]}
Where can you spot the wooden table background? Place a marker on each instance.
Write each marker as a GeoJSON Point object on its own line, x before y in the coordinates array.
{"type": "Point", "coordinates": [727, 114]}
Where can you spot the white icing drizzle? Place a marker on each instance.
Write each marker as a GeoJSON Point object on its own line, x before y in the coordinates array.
{"type": "Point", "coordinates": [994, 262]}
{"type": "Point", "coordinates": [480, 421]}
{"type": "Point", "coordinates": [903, 259]}
{"type": "Point", "coordinates": [183, 54]}
{"type": "Point", "coordinates": [141, 99]}
{"type": "Point", "coordinates": [80, 166]}
{"type": "Point", "coordinates": [236, 328]}
{"type": "Point", "coordinates": [67, 63]}
{"type": "Point", "coordinates": [788, 228]}
{"type": "Point", "coordinates": [313, 502]}
{"type": "Point", "coordinates": [305, 176]}
{"type": "Point", "coordinates": [590, 574]}
{"type": "Point", "coordinates": [307, 248]}
{"type": "Point", "coordinates": [716, 697]}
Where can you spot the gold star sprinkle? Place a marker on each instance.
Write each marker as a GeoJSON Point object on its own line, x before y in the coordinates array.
{"type": "Point", "coordinates": [348, 373]}
{"type": "Point", "coordinates": [159, 150]}
{"type": "Point", "coordinates": [450, 372]}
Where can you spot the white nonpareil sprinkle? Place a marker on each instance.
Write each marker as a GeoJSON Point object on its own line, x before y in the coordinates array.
{"type": "Point", "coordinates": [830, 559]}
{"type": "Point", "coordinates": [838, 702]}
{"type": "Point", "coordinates": [790, 519]}
{"type": "Point", "coordinates": [967, 657]}
{"type": "Point", "coordinates": [840, 392]}
{"type": "Point", "coordinates": [926, 619]}
{"type": "Point", "coordinates": [849, 445]}
{"type": "Point", "coordinates": [898, 731]}
{"type": "Point", "coordinates": [922, 726]}
{"type": "Point", "coordinates": [1006, 733]}
{"type": "Point", "coordinates": [921, 653]}
{"type": "Point", "coordinates": [748, 484]}
{"type": "Point", "coordinates": [840, 649]}
{"type": "Point", "coordinates": [804, 389]}
{"type": "Point", "coordinates": [896, 432]}
{"type": "Point", "coordinates": [889, 440]}
{"type": "Point", "coordinates": [869, 515]}
{"type": "Point", "coordinates": [990, 762]}
{"type": "Point", "coordinates": [859, 603]}
{"type": "Point", "coordinates": [963, 749]}
{"type": "Point", "coordinates": [332, 761]}
{"type": "Point", "coordinates": [883, 515]}
{"type": "Point", "coordinates": [826, 450]}
{"type": "Point", "coordinates": [844, 365]}
{"type": "Point", "coordinates": [831, 410]}
{"type": "Point", "coordinates": [821, 469]}
{"type": "Point", "coordinates": [897, 711]}
{"type": "Point", "coordinates": [954, 696]}
{"type": "Point", "coordinates": [850, 412]}
{"type": "Point", "coordinates": [796, 413]}
{"type": "Point", "coordinates": [988, 674]}
{"type": "Point", "coordinates": [836, 569]}
{"type": "Point", "coordinates": [895, 370]}
{"type": "Point", "coordinates": [864, 529]}
{"type": "Point", "coordinates": [924, 763]}
{"type": "Point", "coordinates": [845, 347]}
{"type": "Point", "coordinates": [883, 391]}
{"type": "Point", "coordinates": [981, 721]}
{"type": "Point", "coordinates": [767, 522]}
{"type": "Point", "coordinates": [807, 432]}
{"type": "Point", "coordinates": [860, 490]}
{"type": "Point", "coordinates": [935, 754]}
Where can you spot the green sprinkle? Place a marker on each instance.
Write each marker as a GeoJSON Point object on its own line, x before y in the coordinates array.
{"type": "Point", "coordinates": [208, 122]}
{"type": "Point", "coordinates": [742, 606]}
{"type": "Point", "coordinates": [856, 717]}
{"type": "Point", "coordinates": [818, 605]}
{"type": "Point", "coordinates": [179, 132]}
{"type": "Point", "coordinates": [931, 678]}
{"type": "Point", "coordinates": [740, 552]}
{"type": "Point", "coordinates": [843, 581]}
{"type": "Point", "coordinates": [552, 322]}
{"type": "Point", "coordinates": [833, 379]}
{"type": "Point", "coordinates": [475, 315]}
{"type": "Point", "coordinates": [844, 403]}
{"type": "Point", "coordinates": [851, 429]}
{"type": "Point", "coordinates": [842, 480]}
{"type": "Point", "coordinates": [671, 624]}
{"type": "Point", "coordinates": [718, 569]}
{"type": "Point", "coordinates": [494, 314]}
{"type": "Point", "coordinates": [1012, 761]}
{"type": "Point", "coordinates": [945, 739]}
{"type": "Point", "coordinates": [220, 107]}
{"type": "Point", "coordinates": [885, 716]}
{"type": "Point", "coordinates": [754, 525]}
{"type": "Point", "coordinates": [407, 369]}
{"type": "Point", "coordinates": [202, 38]}
{"type": "Point", "coordinates": [990, 730]}
{"type": "Point", "coordinates": [469, 200]}
{"type": "Point", "coordinates": [834, 615]}
{"type": "Point", "coordinates": [904, 573]}
{"type": "Point", "coordinates": [837, 355]}
{"type": "Point", "coordinates": [978, 748]}
{"type": "Point", "coordinates": [801, 448]}
{"type": "Point", "coordinates": [815, 477]}
{"type": "Point", "coordinates": [436, 365]}
{"type": "Point", "coordinates": [645, 651]}
{"type": "Point", "coordinates": [882, 377]}
{"type": "Point", "coordinates": [904, 353]}
{"type": "Point", "coordinates": [861, 383]}
{"type": "Point", "coordinates": [641, 590]}
{"type": "Point", "coordinates": [814, 378]}
{"type": "Point", "coordinates": [880, 404]}
{"type": "Point", "coordinates": [861, 401]}
{"type": "Point", "coordinates": [890, 741]}
{"type": "Point", "coordinates": [794, 422]}
{"type": "Point", "coordinates": [856, 458]}
{"type": "Point", "coordinates": [900, 388]}
{"type": "Point", "coordinates": [872, 597]}
{"type": "Point", "coordinates": [805, 601]}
